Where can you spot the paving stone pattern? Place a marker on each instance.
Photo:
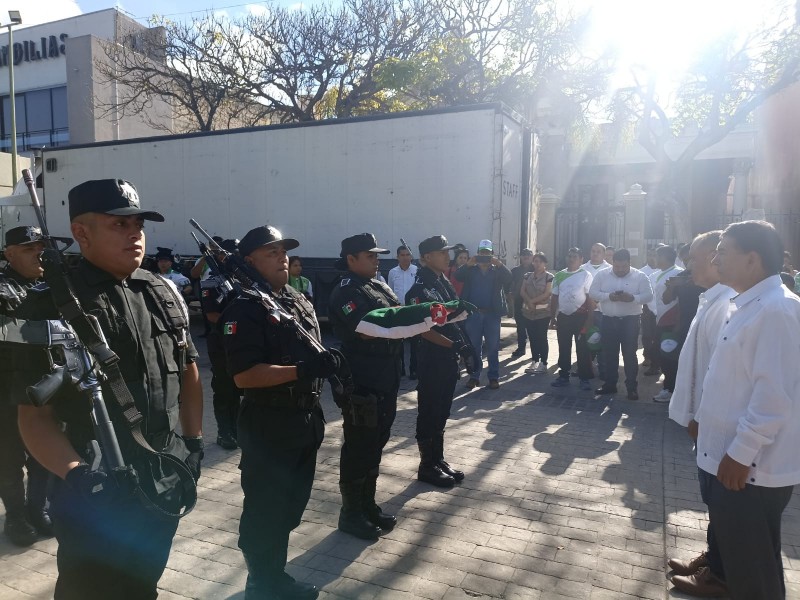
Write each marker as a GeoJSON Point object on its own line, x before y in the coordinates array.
{"type": "Point", "coordinates": [565, 496]}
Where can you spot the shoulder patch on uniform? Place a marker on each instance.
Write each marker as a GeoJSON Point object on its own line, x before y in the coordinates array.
{"type": "Point", "coordinates": [415, 300]}
{"type": "Point", "coordinates": [344, 282]}
{"type": "Point", "coordinates": [349, 307]}
{"type": "Point", "coordinates": [229, 328]}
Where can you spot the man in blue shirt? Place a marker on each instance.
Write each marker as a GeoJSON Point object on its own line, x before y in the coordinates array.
{"type": "Point", "coordinates": [484, 278]}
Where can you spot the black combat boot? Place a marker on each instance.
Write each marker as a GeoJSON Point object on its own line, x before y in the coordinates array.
{"type": "Point", "coordinates": [17, 528]}
{"type": "Point", "coordinates": [442, 463]}
{"type": "Point", "coordinates": [373, 512]}
{"type": "Point", "coordinates": [429, 471]}
{"type": "Point", "coordinates": [225, 437]}
{"type": "Point", "coordinates": [267, 580]}
{"type": "Point", "coordinates": [351, 517]}
{"type": "Point", "coordinates": [37, 499]}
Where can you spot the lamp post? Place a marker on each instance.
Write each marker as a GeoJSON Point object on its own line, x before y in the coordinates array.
{"type": "Point", "coordinates": [16, 19]}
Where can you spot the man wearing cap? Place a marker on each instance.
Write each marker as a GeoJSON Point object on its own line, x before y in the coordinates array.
{"type": "Point", "coordinates": [23, 519]}
{"type": "Point", "coordinates": [367, 413]}
{"type": "Point", "coordinates": [439, 351]}
{"type": "Point", "coordinates": [518, 273]}
{"type": "Point", "coordinates": [484, 278]}
{"type": "Point", "coordinates": [281, 425]}
{"type": "Point", "coordinates": [213, 299]}
{"type": "Point", "coordinates": [109, 544]}
{"type": "Point", "coordinates": [165, 261]}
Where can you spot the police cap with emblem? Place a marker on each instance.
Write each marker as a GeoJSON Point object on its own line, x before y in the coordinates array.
{"type": "Point", "coordinates": [432, 244]}
{"type": "Point", "coordinates": [262, 236]}
{"type": "Point", "coordinates": [20, 236]}
{"type": "Point", "coordinates": [109, 196]}
{"type": "Point", "coordinates": [164, 254]}
{"type": "Point", "coordinates": [363, 242]}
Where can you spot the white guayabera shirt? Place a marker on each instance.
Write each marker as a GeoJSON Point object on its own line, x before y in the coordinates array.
{"type": "Point", "coordinates": [751, 392]}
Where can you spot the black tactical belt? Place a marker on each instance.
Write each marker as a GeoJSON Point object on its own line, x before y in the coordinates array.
{"type": "Point", "coordinates": [285, 398]}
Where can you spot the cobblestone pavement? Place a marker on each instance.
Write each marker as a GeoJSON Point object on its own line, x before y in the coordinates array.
{"type": "Point", "coordinates": [565, 497]}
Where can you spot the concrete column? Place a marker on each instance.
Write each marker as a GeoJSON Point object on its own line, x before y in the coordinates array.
{"type": "Point", "coordinates": [741, 173]}
{"type": "Point", "coordinates": [546, 224]}
{"type": "Point", "coordinates": [634, 200]}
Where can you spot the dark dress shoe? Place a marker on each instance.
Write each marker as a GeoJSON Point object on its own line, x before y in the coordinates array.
{"type": "Point", "coordinates": [356, 524]}
{"type": "Point", "coordinates": [227, 442]}
{"type": "Point", "coordinates": [633, 395]}
{"type": "Point", "coordinates": [435, 476]}
{"type": "Point", "coordinates": [703, 584]}
{"type": "Point", "coordinates": [40, 520]}
{"type": "Point", "coordinates": [383, 520]}
{"type": "Point", "coordinates": [494, 384]}
{"type": "Point", "coordinates": [518, 352]}
{"type": "Point", "coordinates": [606, 389]}
{"type": "Point", "coordinates": [472, 384]}
{"type": "Point", "coordinates": [688, 567]}
{"type": "Point", "coordinates": [19, 531]}
{"type": "Point", "coordinates": [448, 470]}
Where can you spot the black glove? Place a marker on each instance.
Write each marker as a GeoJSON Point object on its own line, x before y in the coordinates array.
{"type": "Point", "coordinates": [11, 295]}
{"type": "Point", "coordinates": [343, 372]}
{"type": "Point", "coordinates": [319, 366]}
{"type": "Point", "coordinates": [466, 352]}
{"type": "Point", "coordinates": [94, 486]}
{"type": "Point", "coordinates": [195, 447]}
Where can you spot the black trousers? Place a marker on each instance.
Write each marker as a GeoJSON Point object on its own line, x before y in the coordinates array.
{"type": "Point", "coordinates": [567, 328]}
{"type": "Point", "coordinates": [668, 367]}
{"type": "Point", "coordinates": [279, 459]}
{"type": "Point", "coordinates": [117, 551]}
{"type": "Point", "coordinates": [363, 445]}
{"type": "Point", "coordinates": [537, 334]}
{"type": "Point", "coordinates": [651, 348]}
{"type": "Point", "coordinates": [747, 528]}
{"type": "Point", "coordinates": [413, 346]}
{"type": "Point", "coordinates": [620, 333]}
{"type": "Point", "coordinates": [13, 458]}
{"type": "Point", "coordinates": [438, 374]}
{"type": "Point", "coordinates": [520, 321]}
{"type": "Point", "coordinates": [226, 395]}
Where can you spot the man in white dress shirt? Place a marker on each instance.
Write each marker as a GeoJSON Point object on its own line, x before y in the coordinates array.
{"type": "Point", "coordinates": [666, 316]}
{"type": "Point", "coordinates": [621, 292]}
{"type": "Point", "coordinates": [703, 573]}
{"type": "Point", "coordinates": [401, 278]}
{"type": "Point", "coordinates": [748, 417]}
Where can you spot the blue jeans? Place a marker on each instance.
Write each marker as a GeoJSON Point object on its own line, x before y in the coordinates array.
{"type": "Point", "coordinates": [485, 326]}
{"type": "Point", "coordinates": [620, 333]}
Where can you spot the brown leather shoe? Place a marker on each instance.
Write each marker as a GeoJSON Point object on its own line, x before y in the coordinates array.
{"type": "Point", "coordinates": [680, 566]}
{"type": "Point", "coordinates": [494, 384]}
{"type": "Point", "coordinates": [702, 584]}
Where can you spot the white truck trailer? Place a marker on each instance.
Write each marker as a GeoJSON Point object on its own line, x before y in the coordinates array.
{"type": "Point", "coordinates": [468, 173]}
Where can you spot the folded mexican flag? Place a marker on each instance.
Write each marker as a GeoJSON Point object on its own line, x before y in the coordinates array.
{"type": "Point", "coordinates": [407, 321]}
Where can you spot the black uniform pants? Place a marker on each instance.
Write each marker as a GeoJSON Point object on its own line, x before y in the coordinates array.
{"type": "Point", "coordinates": [117, 551]}
{"type": "Point", "coordinates": [363, 444]}
{"type": "Point", "coordinates": [12, 458]}
{"type": "Point", "coordinates": [413, 345]}
{"type": "Point", "coordinates": [567, 328]}
{"type": "Point", "coordinates": [747, 527]}
{"type": "Point", "coordinates": [226, 394]}
{"type": "Point", "coordinates": [279, 459]}
{"type": "Point", "coordinates": [438, 374]}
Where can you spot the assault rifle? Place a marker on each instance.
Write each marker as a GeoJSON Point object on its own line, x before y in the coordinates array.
{"type": "Point", "coordinates": [80, 356]}
{"type": "Point", "coordinates": [237, 276]}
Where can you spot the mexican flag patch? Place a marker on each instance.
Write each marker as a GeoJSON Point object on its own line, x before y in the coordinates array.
{"type": "Point", "coordinates": [349, 307]}
{"type": "Point", "coordinates": [229, 328]}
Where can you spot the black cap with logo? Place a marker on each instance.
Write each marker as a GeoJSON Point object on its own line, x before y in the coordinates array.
{"type": "Point", "coordinates": [110, 196]}
{"type": "Point", "coordinates": [19, 236]}
{"type": "Point", "coordinates": [164, 254]}
{"type": "Point", "coordinates": [363, 242]}
{"type": "Point", "coordinates": [432, 244]}
{"type": "Point", "coordinates": [261, 236]}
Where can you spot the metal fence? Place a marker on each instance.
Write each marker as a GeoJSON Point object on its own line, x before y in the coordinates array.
{"type": "Point", "coordinates": [787, 224]}
{"type": "Point", "coordinates": [582, 227]}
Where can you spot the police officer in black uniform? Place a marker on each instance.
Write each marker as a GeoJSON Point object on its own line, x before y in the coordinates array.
{"type": "Point", "coordinates": [281, 424]}
{"type": "Point", "coordinates": [110, 545]}
{"type": "Point", "coordinates": [23, 520]}
{"type": "Point", "coordinates": [368, 413]}
{"type": "Point", "coordinates": [437, 365]}
{"type": "Point", "coordinates": [227, 396]}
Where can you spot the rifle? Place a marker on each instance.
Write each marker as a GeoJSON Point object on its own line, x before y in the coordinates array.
{"type": "Point", "coordinates": [83, 359]}
{"type": "Point", "coordinates": [237, 276]}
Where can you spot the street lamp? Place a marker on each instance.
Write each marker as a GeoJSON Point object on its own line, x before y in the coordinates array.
{"type": "Point", "coordinates": [16, 19]}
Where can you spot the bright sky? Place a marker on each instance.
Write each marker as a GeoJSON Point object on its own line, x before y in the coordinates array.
{"type": "Point", "coordinates": [662, 35]}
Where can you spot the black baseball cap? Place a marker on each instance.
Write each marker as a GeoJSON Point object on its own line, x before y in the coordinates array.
{"type": "Point", "coordinates": [363, 242]}
{"type": "Point", "coordinates": [109, 196]}
{"type": "Point", "coordinates": [19, 236]}
{"type": "Point", "coordinates": [164, 254]}
{"type": "Point", "coordinates": [431, 244]}
{"type": "Point", "coordinates": [526, 252]}
{"type": "Point", "coordinates": [262, 236]}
